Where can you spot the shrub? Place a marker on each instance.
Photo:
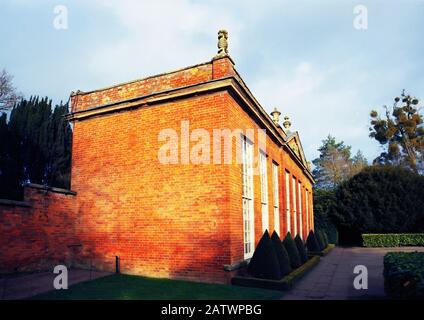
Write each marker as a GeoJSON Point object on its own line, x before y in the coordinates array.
{"type": "Point", "coordinates": [264, 263]}
{"type": "Point", "coordinates": [393, 240]}
{"type": "Point", "coordinates": [404, 275]}
{"type": "Point", "coordinates": [324, 234]}
{"type": "Point", "coordinates": [312, 243]}
{"type": "Point", "coordinates": [379, 199]}
{"type": "Point", "coordinates": [301, 249]}
{"type": "Point", "coordinates": [324, 201]}
{"type": "Point", "coordinates": [320, 240]}
{"type": "Point", "coordinates": [291, 248]}
{"type": "Point", "coordinates": [282, 255]}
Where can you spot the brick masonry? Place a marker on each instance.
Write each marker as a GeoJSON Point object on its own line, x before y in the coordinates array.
{"type": "Point", "coordinates": [182, 221]}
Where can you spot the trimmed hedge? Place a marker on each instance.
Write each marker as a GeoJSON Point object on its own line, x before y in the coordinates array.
{"type": "Point", "coordinates": [291, 248]}
{"type": "Point", "coordinates": [312, 243]}
{"type": "Point", "coordinates": [264, 263]}
{"type": "Point", "coordinates": [324, 233]}
{"type": "Point", "coordinates": [301, 249]}
{"type": "Point", "coordinates": [320, 240]}
{"type": "Point", "coordinates": [393, 240]}
{"type": "Point", "coordinates": [282, 255]}
{"type": "Point", "coordinates": [285, 283]}
{"type": "Point", "coordinates": [404, 275]}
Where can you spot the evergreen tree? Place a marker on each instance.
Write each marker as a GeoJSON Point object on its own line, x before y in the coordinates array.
{"type": "Point", "coordinates": [380, 199]}
{"type": "Point", "coordinates": [39, 141]}
{"type": "Point", "coordinates": [335, 165]}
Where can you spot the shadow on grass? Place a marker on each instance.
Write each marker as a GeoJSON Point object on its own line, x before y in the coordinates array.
{"type": "Point", "coordinates": [126, 287]}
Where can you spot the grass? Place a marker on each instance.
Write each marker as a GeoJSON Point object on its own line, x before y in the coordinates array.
{"type": "Point", "coordinates": [125, 287]}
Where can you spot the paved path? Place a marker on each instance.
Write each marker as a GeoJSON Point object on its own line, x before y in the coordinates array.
{"type": "Point", "coordinates": [333, 277]}
{"type": "Point", "coordinates": [25, 286]}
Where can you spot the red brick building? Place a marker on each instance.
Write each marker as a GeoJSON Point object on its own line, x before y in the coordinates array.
{"type": "Point", "coordinates": [154, 183]}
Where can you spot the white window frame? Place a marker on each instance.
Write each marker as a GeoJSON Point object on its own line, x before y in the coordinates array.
{"type": "Point", "coordinates": [294, 192]}
{"type": "Point", "coordinates": [264, 190]}
{"type": "Point", "coordinates": [288, 207]}
{"type": "Point", "coordinates": [307, 211]}
{"type": "Point", "coordinates": [276, 198]}
{"type": "Point", "coordinates": [248, 209]}
{"type": "Point", "coordinates": [299, 192]}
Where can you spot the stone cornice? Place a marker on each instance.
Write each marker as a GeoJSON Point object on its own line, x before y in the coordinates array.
{"type": "Point", "coordinates": [233, 85]}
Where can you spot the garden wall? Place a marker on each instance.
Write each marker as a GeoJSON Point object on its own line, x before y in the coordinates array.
{"type": "Point", "coordinates": [39, 232]}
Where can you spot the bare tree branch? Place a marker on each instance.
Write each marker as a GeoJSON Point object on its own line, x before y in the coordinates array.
{"type": "Point", "coordinates": [8, 93]}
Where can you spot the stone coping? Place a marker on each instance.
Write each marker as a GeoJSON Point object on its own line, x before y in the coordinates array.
{"type": "Point", "coordinates": [51, 189]}
{"type": "Point", "coordinates": [14, 203]}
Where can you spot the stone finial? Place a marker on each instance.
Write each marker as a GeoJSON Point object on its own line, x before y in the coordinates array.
{"type": "Point", "coordinates": [276, 116]}
{"type": "Point", "coordinates": [286, 124]}
{"type": "Point", "coordinates": [309, 165]}
{"type": "Point", "coordinates": [222, 44]}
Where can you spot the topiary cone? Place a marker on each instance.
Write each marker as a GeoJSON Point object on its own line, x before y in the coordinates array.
{"type": "Point", "coordinates": [264, 263]}
{"type": "Point", "coordinates": [282, 255]}
{"type": "Point", "coordinates": [312, 243]}
{"type": "Point", "coordinates": [291, 248]}
{"type": "Point", "coordinates": [301, 248]}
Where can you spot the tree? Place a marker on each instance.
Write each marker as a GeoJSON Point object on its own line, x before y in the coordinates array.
{"type": "Point", "coordinates": [380, 199]}
{"type": "Point", "coordinates": [37, 148]}
{"type": "Point", "coordinates": [359, 162]}
{"type": "Point", "coordinates": [401, 133]}
{"type": "Point", "coordinates": [335, 165]}
{"type": "Point", "coordinates": [324, 200]}
{"type": "Point", "coordinates": [8, 94]}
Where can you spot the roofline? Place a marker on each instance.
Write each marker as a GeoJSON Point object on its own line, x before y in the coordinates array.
{"type": "Point", "coordinates": [231, 83]}
{"type": "Point", "coordinates": [79, 92]}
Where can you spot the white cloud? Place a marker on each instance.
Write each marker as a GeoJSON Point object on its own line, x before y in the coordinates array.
{"type": "Point", "coordinates": [319, 102]}
{"type": "Point", "coordinates": [160, 36]}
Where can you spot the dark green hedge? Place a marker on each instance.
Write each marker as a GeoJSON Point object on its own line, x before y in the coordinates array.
{"type": "Point", "coordinates": [264, 263]}
{"type": "Point", "coordinates": [379, 200]}
{"type": "Point", "coordinates": [393, 240]}
{"type": "Point", "coordinates": [312, 243]}
{"type": "Point", "coordinates": [320, 240]}
{"type": "Point", "coordinates": [282, 255]}
{"type": "Point", "coordinates": [301, 249]}
{"type": "Point", "coordinates": [291, 248]}
{"type": "Point", "coordinates": [324, 200]}
{"type": "Point", "coordinates": [404, 275]}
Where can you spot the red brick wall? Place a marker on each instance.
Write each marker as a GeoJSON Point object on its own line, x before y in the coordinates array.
{"type": "Point", "coordinates": [38, 236]}
{"type": "Point", "coordinates": [162, 220]}
{"type": "Point", "coordinates": [177, 220]}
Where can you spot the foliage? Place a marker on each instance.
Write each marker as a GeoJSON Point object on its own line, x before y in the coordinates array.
{"type": "Point", "coordinates": [320, 240]}
{"type": "Point", "coordinates": [291, 248]}
{"type": "Point", "coordinates": [324, 234]}
{"type": "Point", "coordinates": [324, 200]}
{"type": "Point", "coordinates": [8, 94]}
{"type": "Point", "coordinates": [312, 243]}
{"type": "Point", "coordinates": [380, 199]}
{"type": "Point", "coordinates": [335, 165]}
{"type": "Point", "coordinates": [36, 147]}
{"type": "Point", "coordinates": [301, 249]}
{"type": "Point", "coordinates": [404, 275]}
{"type": "Point", "coordinates": [264, 263]}
{"type": "Point", "coordinates": [393, 240]}
{"type": "Point", "coordinates": [282, 255]}
{"type": "Point", "coordinates": [401, 133]}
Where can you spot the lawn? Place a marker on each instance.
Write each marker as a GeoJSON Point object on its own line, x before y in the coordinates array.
{"type": "Point", "coordinates": [125, 287]}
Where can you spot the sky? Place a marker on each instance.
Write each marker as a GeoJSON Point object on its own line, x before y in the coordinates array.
{"type": "Point", "coordinates": [309, 59]}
